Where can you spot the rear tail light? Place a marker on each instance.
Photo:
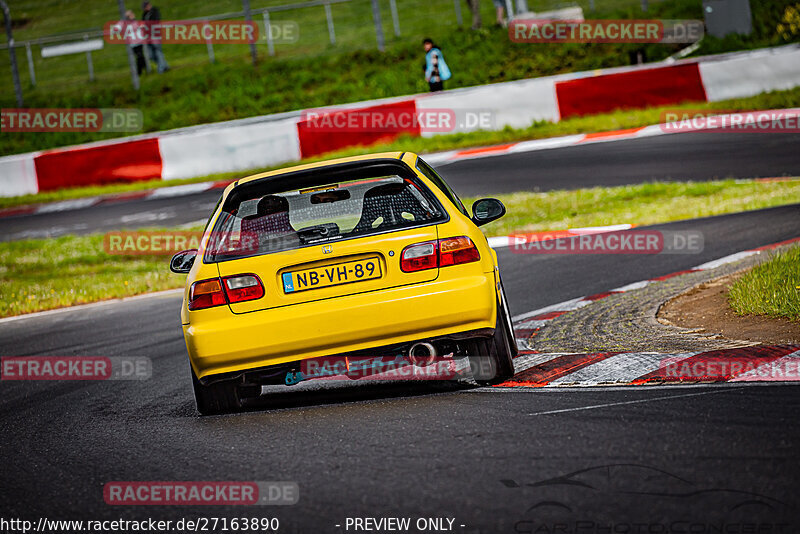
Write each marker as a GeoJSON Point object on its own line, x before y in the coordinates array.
{"type": "Point", "coordinates": [243, 287]}
{"type": "Point", "coordinates": [440, 253]}
{"type": "Point", "coordinates": [206, 294]}
{"type": "Point", "coordinates": [419, 257]}
{"type": "Point", "coordinates": [457, 250]}
{"type": "Point", "coordinates": [231, 289]}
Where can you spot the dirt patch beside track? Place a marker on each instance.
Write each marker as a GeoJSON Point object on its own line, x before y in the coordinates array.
{"type": "Point", "coordinates": [631, 320]}
{"type": "Point", "coordinates": [705, 310]}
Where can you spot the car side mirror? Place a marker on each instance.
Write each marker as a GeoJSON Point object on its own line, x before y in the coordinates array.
{"type": "Point", "coordinates": [487, 210]}
{"type": "Point", "coordinates": [182, 262]}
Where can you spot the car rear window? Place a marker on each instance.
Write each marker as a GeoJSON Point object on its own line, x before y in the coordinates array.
{"type": "Point", "coordinates": [265, 221]}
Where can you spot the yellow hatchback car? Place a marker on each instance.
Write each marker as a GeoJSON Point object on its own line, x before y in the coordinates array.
{"type": "Point", "coordinates": [368, 256]}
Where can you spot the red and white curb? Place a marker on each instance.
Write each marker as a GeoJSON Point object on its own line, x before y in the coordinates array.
{"type": "Point", "coordinates": [710, 123]}
{"type": "Point", "coordinates": [780, 363]}
{"type": "Point", "coordinates": [630, 368]}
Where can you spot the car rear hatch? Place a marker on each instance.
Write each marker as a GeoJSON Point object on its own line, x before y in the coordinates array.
{"type": "Point", "coordinates": [331, 270]}
{"type": "Point", "coordinates": [330, 240]}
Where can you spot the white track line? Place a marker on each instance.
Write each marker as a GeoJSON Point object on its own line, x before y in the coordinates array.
{"type": "Point", "coordinates": [622, 403]}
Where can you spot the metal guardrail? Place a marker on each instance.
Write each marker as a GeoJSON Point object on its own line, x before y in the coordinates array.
{"type": "Point", "coordinates": [99, 32]}
{"type": "Point", "coordinates": [94, 33]}
{"type": "Point", "coordinates": [58, 38]}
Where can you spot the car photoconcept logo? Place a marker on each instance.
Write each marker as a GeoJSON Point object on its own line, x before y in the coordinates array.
{"type": "Point", "coordinates": [327, 249]}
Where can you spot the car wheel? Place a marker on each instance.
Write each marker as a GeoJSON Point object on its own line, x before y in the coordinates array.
{"type": "Point", "coordinates": [216, 398]}
{"type": "Point", "coordinates": [508, 323]}
{"type": "Point", "coordinates": [493, 361]}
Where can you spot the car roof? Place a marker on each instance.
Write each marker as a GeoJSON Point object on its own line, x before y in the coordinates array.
{"type": "Point", "coordinates": [367, 158]}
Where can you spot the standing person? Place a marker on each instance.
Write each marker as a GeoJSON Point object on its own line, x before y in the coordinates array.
{"type": "Point", "coordinates": [152, 15]}
{"type": "Point", "coordinates": [436, 70]}
{"type": "Point", "coordinates": [475, 9]}
{"type": "Point", "coordinates": [136, 47]}
{"type": "Point", "coordinates": [500, 10]}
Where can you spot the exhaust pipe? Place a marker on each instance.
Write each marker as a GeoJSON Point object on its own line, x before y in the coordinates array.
{"type": "Point", "coordinates": [422, 354]}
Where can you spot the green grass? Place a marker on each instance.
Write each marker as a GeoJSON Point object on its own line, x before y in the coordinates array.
{"type": "Point", "coordinates": [312, 73]}
{"type": "Point", "coordinates": [642, 204]}
{"type": "Point", "coordinates": [771, 289]}
{"type": "Point", "coordinates": [597, 123]}
{"type": "Point", "coordinates": [43, 274]}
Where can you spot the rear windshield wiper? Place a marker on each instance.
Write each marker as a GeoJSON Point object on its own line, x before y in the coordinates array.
{"type": "Point", "coordinates": [320, 232]}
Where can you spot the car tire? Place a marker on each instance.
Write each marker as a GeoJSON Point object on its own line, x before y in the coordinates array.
{"type": "Point", "coordinates": [217, 397]}
{"type": "Point", "coordinates": [508, 324]}
{"type": "Point", "coordinates": [493, 361]}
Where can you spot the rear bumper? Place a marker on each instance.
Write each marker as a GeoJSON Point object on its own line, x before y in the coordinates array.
{"type": "Point", "coordinates": [233, 343]}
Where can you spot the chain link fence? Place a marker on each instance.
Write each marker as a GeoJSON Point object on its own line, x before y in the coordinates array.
{"type": "Point", "coordinates": [320, 27]}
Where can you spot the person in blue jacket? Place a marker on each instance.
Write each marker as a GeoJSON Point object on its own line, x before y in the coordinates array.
{"type": "Point", "coordinates": [436, 70]}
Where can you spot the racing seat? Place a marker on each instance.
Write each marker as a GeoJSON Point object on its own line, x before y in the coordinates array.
{"type": "Point", "coordinates": [388, 202]}
{"type": "Point", "coordinates": [271, 217]}
{"type": "Point", "coordinates": [270, 221]}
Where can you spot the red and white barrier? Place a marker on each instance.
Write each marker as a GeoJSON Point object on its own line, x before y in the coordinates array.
{"type": "Point", "coordinates": [274, 139]}
{"type": "Point", "coordinates": [18, 175]}
{"type": "Point", "coordinates": [316, 140]}
{"type": "Point", "coordinates": [96, 165]}
{"type": "Point", "coordinates": [515, 104]}
{"type": "Point", "coordinates": [238, 146]}
{"type": "Point", "coordinates": [660, 86]}
{"type": "Point", "coordinates": [772, 69]}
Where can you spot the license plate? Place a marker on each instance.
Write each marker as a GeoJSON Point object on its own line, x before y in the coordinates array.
{"type": "Point", "coordinates": [331, 275]}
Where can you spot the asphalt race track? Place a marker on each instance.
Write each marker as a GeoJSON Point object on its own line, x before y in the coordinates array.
{"type": "Point", "coordinates": [494, 460]}
{"type": "Point", "coordinates": [686, 156]}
